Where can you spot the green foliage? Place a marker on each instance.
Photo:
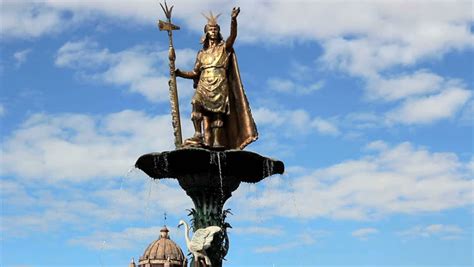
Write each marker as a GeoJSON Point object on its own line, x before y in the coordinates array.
{"type": "Point", "coordinates": [209, 213]}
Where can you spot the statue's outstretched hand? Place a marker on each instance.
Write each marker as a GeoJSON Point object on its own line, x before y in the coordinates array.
{"type": "Point", "coordinates": [235, 12]}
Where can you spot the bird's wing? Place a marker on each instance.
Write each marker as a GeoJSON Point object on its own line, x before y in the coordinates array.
{"type": "Point", "coordinates": [198, 240]}
{"type": "Point", "coordinates": [202, 238]}
{"type": "Point", "coordinates": [212, 230]}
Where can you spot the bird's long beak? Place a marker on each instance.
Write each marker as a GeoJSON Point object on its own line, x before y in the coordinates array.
{"type": "Point", "coordinates": [179, 225]}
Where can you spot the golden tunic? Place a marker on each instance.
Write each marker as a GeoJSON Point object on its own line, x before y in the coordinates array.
{"type": "Point", "coordinates": [212, 91]}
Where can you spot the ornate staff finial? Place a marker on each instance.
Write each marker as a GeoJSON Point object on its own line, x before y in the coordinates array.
{"type": "Point", "coordinates": [167, 10]}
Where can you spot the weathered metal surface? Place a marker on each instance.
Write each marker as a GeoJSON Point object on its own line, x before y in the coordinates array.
{"type": "Point", "coordinates": [221, 113]}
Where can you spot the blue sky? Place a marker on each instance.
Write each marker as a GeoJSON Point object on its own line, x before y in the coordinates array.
{"type": "Point", "coordinates": [368, 103]}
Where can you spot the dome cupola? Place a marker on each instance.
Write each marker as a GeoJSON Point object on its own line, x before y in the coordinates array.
{"type": "Point", "coordinates": [163, 252]}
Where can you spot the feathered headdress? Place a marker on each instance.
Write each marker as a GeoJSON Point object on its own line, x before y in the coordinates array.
{"type": "Point", "coordinates": [211, 19]}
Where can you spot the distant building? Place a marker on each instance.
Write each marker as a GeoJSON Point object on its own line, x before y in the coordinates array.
{"type": "Point", "coordinates": [162, 252]}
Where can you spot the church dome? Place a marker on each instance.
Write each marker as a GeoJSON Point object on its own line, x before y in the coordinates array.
{"type": "Point", "coordinates": [163, 252]}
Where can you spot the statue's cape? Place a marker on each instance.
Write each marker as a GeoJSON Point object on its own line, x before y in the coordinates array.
{"type": "Point", "coordinates": [240, 127]}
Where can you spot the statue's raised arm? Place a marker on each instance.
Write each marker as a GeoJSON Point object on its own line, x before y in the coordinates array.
{"type": "Point", "coordinates": [233, 29]}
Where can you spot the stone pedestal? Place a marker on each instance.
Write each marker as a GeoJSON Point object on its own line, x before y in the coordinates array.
{"type": "Point", "coordinates": [209, 178]}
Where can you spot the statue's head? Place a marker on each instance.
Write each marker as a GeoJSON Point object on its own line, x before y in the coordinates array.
{"type": "Point", "coordinates": [212, 30]}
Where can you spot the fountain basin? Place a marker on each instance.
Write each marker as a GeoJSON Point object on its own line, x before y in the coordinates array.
{"type": "Point", "coordinates": [243, 166]}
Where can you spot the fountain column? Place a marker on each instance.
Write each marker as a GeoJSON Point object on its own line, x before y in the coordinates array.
{"type": "Point", "coordinates": [209, 178]}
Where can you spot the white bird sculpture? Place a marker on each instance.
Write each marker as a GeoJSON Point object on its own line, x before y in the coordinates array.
{"type": "Point", "coordinates": [201, 241]}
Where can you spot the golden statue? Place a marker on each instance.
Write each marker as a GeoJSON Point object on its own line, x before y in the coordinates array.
{"type": "Point", "coordinates": [220, 111]}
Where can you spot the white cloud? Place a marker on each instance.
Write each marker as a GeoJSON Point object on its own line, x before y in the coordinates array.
{"type": "Point", "coordinates": [324, 126]}
{"type": "Point", "coordinates": [29, 19]}
{"type": "Point", "coordinates": [265, 116]}
{"type": "Point", "coordinates": [66, 170]}
{"type": "Point", "coordinates": [21, 56]}
{"type": "Point", "coordinates": [293, 122]}
{"type": "Point", "coordinates": [364, 233]}
{"type": "Point", "coordinates": [429, 98]}
{"type": "Point", "coordinates": [291, 87]}
{"type": "Point", "coordinates": [424, 110]}
{"type": "Point", "coordinates": [442, 231]}
{"type": "Point", "coordinates": [32, 19]}
{"type": "Point", "coordinates": [39, 207]}
{"type": "Point", "coordinates": [2, 110]}
{"type": "Point", "coordinates": [258, 231]}
{"type": "Point", "coordinates": [302, 241]}
{"type": "Point", "coordinates": [304, 238]}
{"type": "Point", "coordinates": [78, 147]}
{"type": "Point", "coordinates": [81, 54]}
{"type": "Point", "coordinates": [388, 180]}
{"type": "Point", "coordinates": [403, 86]}
{"type": "Point", "coordinates": [135, 68]}
{"type": "Point", "coordinates": [467, 114]}
{"type": "Point", "coordinates": [378, 145]}
{"type": "Point", "coordinates": [126, 239]}
{"type": "Point", "coordinates": [274, 124]}
{"type": "Point", "coordinates": [412, 31]}
{"type": "Point", "coordinates": [283, 246]}
{"type": "Point", "coordinates": [470, 165]}
{"type": "Point", "coordinates": [363, 120]}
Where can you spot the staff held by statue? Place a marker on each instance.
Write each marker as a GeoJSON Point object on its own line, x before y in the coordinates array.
{"type": "Point", "coordinates": [176, 121]}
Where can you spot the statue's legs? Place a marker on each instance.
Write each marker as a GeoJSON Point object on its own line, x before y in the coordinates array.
{"type": "Point", "coordinates": [196, 117]}
{"type": "Point", "coordinates": [207, 131]}
{"type": "Point", "coordinates": [211, 123]}
{"type": "Point", "coordinates": [217, 128]}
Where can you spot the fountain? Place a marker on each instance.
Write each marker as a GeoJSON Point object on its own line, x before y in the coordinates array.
{"type": "Point", "coordinates": [210, 182]}
{"type": "Point", "coordinates": [211, 165]}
